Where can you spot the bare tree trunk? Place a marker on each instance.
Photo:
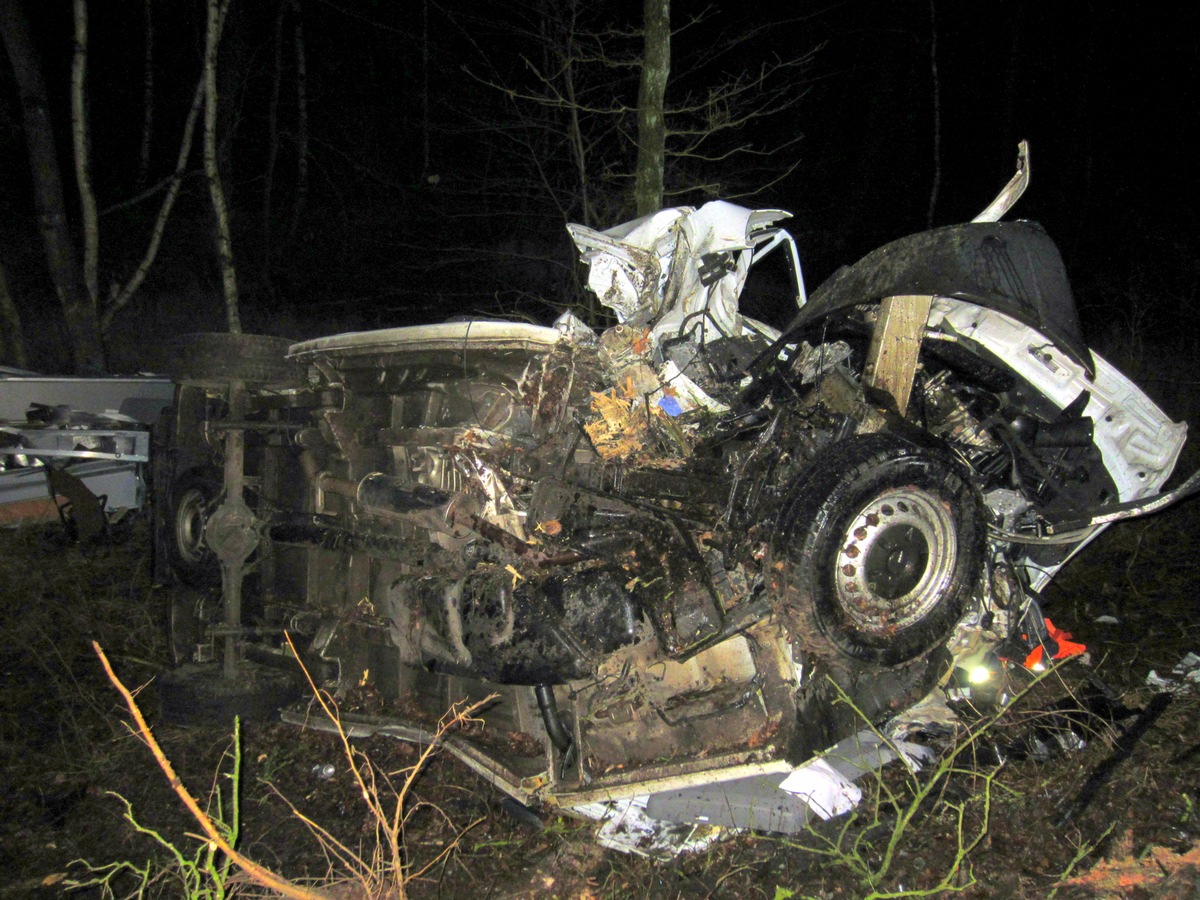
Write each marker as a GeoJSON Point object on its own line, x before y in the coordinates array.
{"type": "Point", "coordinates": [273, 133]}
{"type": "Point", "coordinates": [652, 124]}
{"type": "Point", "coordinates": [575, 134]}
{"type": "Point", "coordinates": [12, 345]}
{"type": "Point", "coordinates": [937, 116]}
{"type": "Point", "coordinates": [301, 125]}
{"type": "Point", "coordinates": [212, 173]}
{"type": "Point", "coordinates": [143, 171]}
{"type": "Point", "coordinates": [83, 155]}
{"type": "Point", "coordinates": [121, 296]}
{"type": "Point", "coordinates": [80, 313]}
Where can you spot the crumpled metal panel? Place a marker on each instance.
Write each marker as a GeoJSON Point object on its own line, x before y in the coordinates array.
{"type": "Point", "coordinates": [680, 270]}
{"type": "Point", "coordinates": [1011, 267]}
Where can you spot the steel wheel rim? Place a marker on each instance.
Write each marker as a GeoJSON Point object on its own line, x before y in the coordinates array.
{"type": "Point", "coordinates": [190, 518]}
{"type": "Point", "coordinates": [895, 560]}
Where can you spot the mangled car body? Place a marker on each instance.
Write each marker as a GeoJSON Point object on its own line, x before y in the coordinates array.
{"type": "Point", "coordinates": [670, 547]}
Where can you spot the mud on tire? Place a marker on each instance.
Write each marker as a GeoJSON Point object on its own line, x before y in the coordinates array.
{"type": "Point", "coordinates": [877, 549]}
{"type": "Point", "coordinates": [215, 359]}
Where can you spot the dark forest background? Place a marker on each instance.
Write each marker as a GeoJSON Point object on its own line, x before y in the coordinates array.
{"type": "Point", "coordinates": [393, 163]}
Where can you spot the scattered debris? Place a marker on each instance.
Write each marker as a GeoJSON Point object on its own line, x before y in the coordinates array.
{"type": "Point", "coordinates": [627, 829]}
{"type": "Point", "coordinates": [1186, 672]}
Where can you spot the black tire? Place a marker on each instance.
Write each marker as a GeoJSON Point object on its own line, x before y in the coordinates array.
{"type": "Point", "coordinates": [878, 546]}
{"type": "Point", "coordinates": [216, 359]}
{"type": "Point", "coordinates": [193, 499]}
{"type": "Point", "coordinates": [200, 695]}
{"type": "Point", "coordinates": [189, 616]}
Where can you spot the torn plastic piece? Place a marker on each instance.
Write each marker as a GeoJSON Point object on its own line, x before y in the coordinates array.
{"type": "Point", "coordinates": [1059, 644]}
{"type": "Point", "coordinates": [670, 406]}
{"type": "Point", "coordinates": [753, 802]}
{"type": "Point", "coordinates": [826, 790]}
{"type": "Point", "coordinates": [1012, 191]}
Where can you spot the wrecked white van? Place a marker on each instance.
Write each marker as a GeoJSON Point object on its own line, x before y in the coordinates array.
{"type": "Point", "coordinates": [668, 547]}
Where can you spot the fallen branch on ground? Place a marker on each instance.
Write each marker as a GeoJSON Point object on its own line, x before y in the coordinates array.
{"type": "Point", "coordinates": [260, 875]}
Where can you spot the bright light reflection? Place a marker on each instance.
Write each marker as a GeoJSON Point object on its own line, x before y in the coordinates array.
{"type": "Point", "coordinates": [979, 674]}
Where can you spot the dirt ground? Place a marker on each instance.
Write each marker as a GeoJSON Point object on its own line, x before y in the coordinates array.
{"type": "Point", "coordinates": [1013, 830]}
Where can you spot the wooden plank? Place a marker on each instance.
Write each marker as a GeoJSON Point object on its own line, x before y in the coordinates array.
{"type": "Point", "coordinates": [895, 345]}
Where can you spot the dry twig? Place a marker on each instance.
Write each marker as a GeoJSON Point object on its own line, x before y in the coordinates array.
{"type": "Point", "coordinates": [259, 874]}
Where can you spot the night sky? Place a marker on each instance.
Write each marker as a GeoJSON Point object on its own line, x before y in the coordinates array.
{"type": "Point", "coordinates": [420, 204]}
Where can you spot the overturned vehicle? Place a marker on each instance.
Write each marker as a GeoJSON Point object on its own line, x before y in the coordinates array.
{"type": "Point", "coordinates": [668, 549]}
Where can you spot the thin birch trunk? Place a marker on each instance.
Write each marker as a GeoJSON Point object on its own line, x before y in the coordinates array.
{"type": "Point", "coordinates": [79, 138]}
{"type": "Point", "coordinates": [229, 288]}
{"type": "Point", "coordinates": [273, 132]}
{"type": "Point", "coordinates": [937, 116]}
{"type": "Point", "coordinates": [575, 133]}
{"type": "Point", "coordinates": [424, 89]}
{"type": "Point", "coordinates": [122, 296]}
{"type": "Point", "coordinates": [83, 326]}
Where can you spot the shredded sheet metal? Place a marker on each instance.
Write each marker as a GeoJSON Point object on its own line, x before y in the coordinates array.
{"type": "Point", "coordinates": [827, 782]}
{"type": "Point", "coordinates": [930, 713]}
{"type": "Point", "coordinates": [680, 269]}
{"type": "Point", "coordinates": [627, 829]}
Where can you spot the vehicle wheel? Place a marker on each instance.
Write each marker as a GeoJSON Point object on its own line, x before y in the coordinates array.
{"type": "Point", "coordinates": [198, 694]}
{"type": "Point", "coordinates": [214, 360]}
{"type": "Point", "coordinates": [189, 616]}
{"type": "Point", "coordinates": [193, 499]}
{"type": "Point", "coordinates": [878, 546]}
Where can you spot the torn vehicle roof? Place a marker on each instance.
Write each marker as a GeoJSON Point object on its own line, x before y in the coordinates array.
{"type": "Point", "coordinates": [678, 271]}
